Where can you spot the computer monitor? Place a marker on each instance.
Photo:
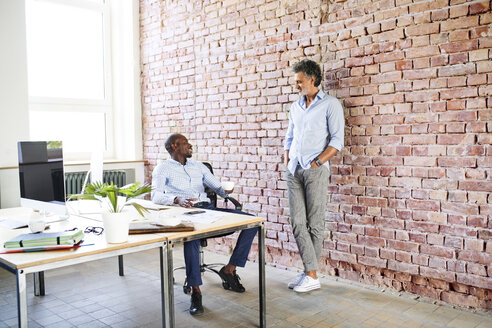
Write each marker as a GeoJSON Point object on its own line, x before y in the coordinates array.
{"type": "Point", "coordinates": [41, 177]}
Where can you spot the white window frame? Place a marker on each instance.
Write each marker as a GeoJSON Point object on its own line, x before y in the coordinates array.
{"type": "Point", "coordinates": [104, 106]}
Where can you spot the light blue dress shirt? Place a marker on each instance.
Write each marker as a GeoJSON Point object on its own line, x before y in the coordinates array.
{"type": "Point", "coordinates": [171, 179]}
{"type": "Point", "coordinates": [311, 130]}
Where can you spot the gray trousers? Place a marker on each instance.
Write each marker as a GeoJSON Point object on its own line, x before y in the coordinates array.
{"type": "Point", "coordinates": [308, 191]}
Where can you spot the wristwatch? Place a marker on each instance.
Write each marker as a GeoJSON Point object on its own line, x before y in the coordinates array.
{"type": "Point", "coordinates": [317, 161]}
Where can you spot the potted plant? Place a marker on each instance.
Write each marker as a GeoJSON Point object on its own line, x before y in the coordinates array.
{"type": "Point", "coordinates": [114, 199]}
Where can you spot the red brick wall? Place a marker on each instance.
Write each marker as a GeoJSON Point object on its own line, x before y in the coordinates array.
{"type": "Point", "coordinates": [410, 193]}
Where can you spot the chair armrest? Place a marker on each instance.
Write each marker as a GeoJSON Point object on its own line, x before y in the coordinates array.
{"type": "Point", "coordinates": [238, 205]}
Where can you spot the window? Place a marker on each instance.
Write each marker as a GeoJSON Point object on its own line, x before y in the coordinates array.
{"type": "Point", "coordinates": [69, 76]}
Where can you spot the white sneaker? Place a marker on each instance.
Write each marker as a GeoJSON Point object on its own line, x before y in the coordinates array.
{"type": "Point", "coordinates": [294, 282]}
{"type": "Point", "coordinates": [307, 284]}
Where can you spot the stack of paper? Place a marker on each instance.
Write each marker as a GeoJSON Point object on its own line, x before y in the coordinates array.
{"type": "Point", "coordinates": [35, 240]}
{"type": "Point", "coordinates": [153, 227]}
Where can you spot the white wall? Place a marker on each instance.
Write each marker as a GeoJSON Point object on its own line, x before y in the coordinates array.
{"type": "Point", "coordinates": [127, 108]}
{"type": "Point", "coordinates": [14, 124]}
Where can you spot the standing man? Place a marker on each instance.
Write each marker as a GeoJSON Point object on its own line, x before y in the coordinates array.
{"type": "Point", "coordinates": [180, 180]}
{"type": "Point", "coordinates": [315, 134]}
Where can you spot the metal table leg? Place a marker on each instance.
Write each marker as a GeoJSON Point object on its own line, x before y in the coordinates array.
{"type": "Point", "coordinates": [39, 283]}
{"type": "Point", "coordinates": [120, 266]}
{"type": "Point", "coordinates": [261, 265]}
{"type": "Point", "coordinates": [21, 299]}
{"type": "Point", "coordinates": [167, 289]}
{"type": "Point", "coordinates": [170, 285]}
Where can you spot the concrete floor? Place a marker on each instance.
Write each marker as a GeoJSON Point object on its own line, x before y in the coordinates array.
{"type": "Point", "coordinates": [93, 295]}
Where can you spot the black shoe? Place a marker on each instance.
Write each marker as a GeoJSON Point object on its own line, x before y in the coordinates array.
{"type": "Point", "coordinates": [231, 281]}
{"type": "Point", "coordinates": [196, 307]}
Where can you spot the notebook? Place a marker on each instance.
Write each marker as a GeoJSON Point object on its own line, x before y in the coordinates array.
{"type": "Point", "coordinates": [46, 239]}
{"type": "Point", "coordinates": [39, 248]}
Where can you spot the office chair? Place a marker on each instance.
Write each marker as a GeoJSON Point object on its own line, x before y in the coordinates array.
{"type": "Point", "coordinates": [203, 242]}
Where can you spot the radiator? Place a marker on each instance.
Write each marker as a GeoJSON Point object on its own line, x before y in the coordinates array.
{"type": "Point", "coordinates": [75, 180]}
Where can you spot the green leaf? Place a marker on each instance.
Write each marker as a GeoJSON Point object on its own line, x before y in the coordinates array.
{"type": "Point", "coordinates": [99, 190]}
{"type": "Point", "coordinates": [140, 209]}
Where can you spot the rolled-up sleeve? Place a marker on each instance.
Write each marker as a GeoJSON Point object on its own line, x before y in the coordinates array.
{"type": "Point", "coordinates": [289, 136]}
{"type": "Point", "coordinates": [336, 125]}
{"type": "Point", "coordinates": [212, 182]}
{"type": "Point", "coordinates": [159, 196]}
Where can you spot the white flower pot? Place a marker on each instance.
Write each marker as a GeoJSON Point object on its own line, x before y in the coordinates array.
{"type": "Point", "coordinates": [116, 227]}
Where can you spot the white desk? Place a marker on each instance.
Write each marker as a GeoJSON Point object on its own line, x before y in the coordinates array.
{"type": "Point", "coordinates": [21, 264]}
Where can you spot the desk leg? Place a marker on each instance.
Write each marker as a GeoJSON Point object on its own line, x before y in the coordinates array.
{"type": "Point", "coordinates": [39, 283]}
{"type": "Point", "coordinates": [121, 268]}
{"type": "Point", "coordinates": [21, 299]}
{"type": "Point", "coordinates": [261, 265]}
{"type": "Point", "coordinates": [167, 288]}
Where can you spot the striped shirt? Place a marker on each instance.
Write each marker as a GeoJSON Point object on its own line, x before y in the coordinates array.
{"type": "Point", "coordinates": [171, 179]}
{"type": "Point", "coordinates": [311, 130]}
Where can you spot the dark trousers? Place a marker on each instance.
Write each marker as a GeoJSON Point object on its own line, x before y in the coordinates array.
{"type": "Point", "coordinates": [238, 258]}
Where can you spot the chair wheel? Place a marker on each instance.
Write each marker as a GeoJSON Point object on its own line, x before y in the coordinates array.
{"type": "Point", "coordinates": [225, 285]}
{"type": "Point", "coordinates": [187, 289]}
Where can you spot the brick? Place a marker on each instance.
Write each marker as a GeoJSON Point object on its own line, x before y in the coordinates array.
{"type": "Point", "coordinates": [458, 58]}
{"type": "Point", "coordinates": [478, 55]}
{"type": "Point", "coordinates": [419, 95]}
{"type": "Point", "coordinates": [373, 262]}
{"type": "Point", "coordinates": [438, 251]}
{"type": "Point", "coordinates": [344, 257]}
{"type": "Point", "coordinates": [455, 242]}
{"type": "Point", "coordinates": [420, 161]}
{"type": "Point", "coordinates": [437, 263]}
{"type": "Point", "coordinates": [422, 52]}
{"type": "Point", "coordinates": [459, 299]}
{"type": "Point", "coordinates": [480, 7]}
{"type": "Point", "coordinates": [358, 101]}
{"type": "Point", "coordinates": [422, 29]}
{"type": "Point", "coordinates": [458, 11]}
{"type": "Point", "coordinates": [477, 79]}
{"type": "Point", "coordinates": [422, 226]}
{"type": "Point", "coordinates": [403, 267]}
{"type": "Point", "coordinates": [455, 139]}
{"type": "Point", "coordinates": [403, 245]}
{"type": "Point", "coordinates": [484, 66]}
{"type": "Point", "coordinates": [435, 239]}
{"type": "Point", "coordinates": [462, 23]}
{"type": "Point", "coordinates": [458, 116]}
{"type": "Point", "coordinates": [458, 69]}
{"type": "Point", "coordinates": [473, 280]}
{"type": "Point", "coordinates": [419, 140]}
{"type": "Point", "coordinates": [439, 15]}
{"type": "Point", "coordinates": [425, 205]}
{"type": "Point", "coordinates": [459, 93]}
{"type": "Point", "coordinates": [476, 185]}
{"type": "Point", "coordinates": [474, 245]}
{"type": "Point", "coordinates": [358, 61]}
{"type": "Point", "coordinates": [371, 241]}
{"type": "Point", "coordinates": [457, 231]}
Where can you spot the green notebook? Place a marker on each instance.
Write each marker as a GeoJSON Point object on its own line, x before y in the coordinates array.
{"type": "Point", "coordinates": [46, 239]}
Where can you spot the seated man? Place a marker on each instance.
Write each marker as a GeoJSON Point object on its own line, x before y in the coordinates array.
{"type": "Point", "coordinates": [179, 180]}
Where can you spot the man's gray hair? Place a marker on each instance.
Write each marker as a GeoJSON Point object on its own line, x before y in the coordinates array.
{"type": "Point", "coordinates": [310, 68]}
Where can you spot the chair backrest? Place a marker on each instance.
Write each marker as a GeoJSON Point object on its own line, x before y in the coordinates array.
{"type": "Point", "coordinates": [210, 193]}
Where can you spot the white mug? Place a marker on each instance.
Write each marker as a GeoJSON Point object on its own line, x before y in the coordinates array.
{"type": "Point", "coordinates": [36, 222]}
{"type": "Point", "coordinates": [228, 185]}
